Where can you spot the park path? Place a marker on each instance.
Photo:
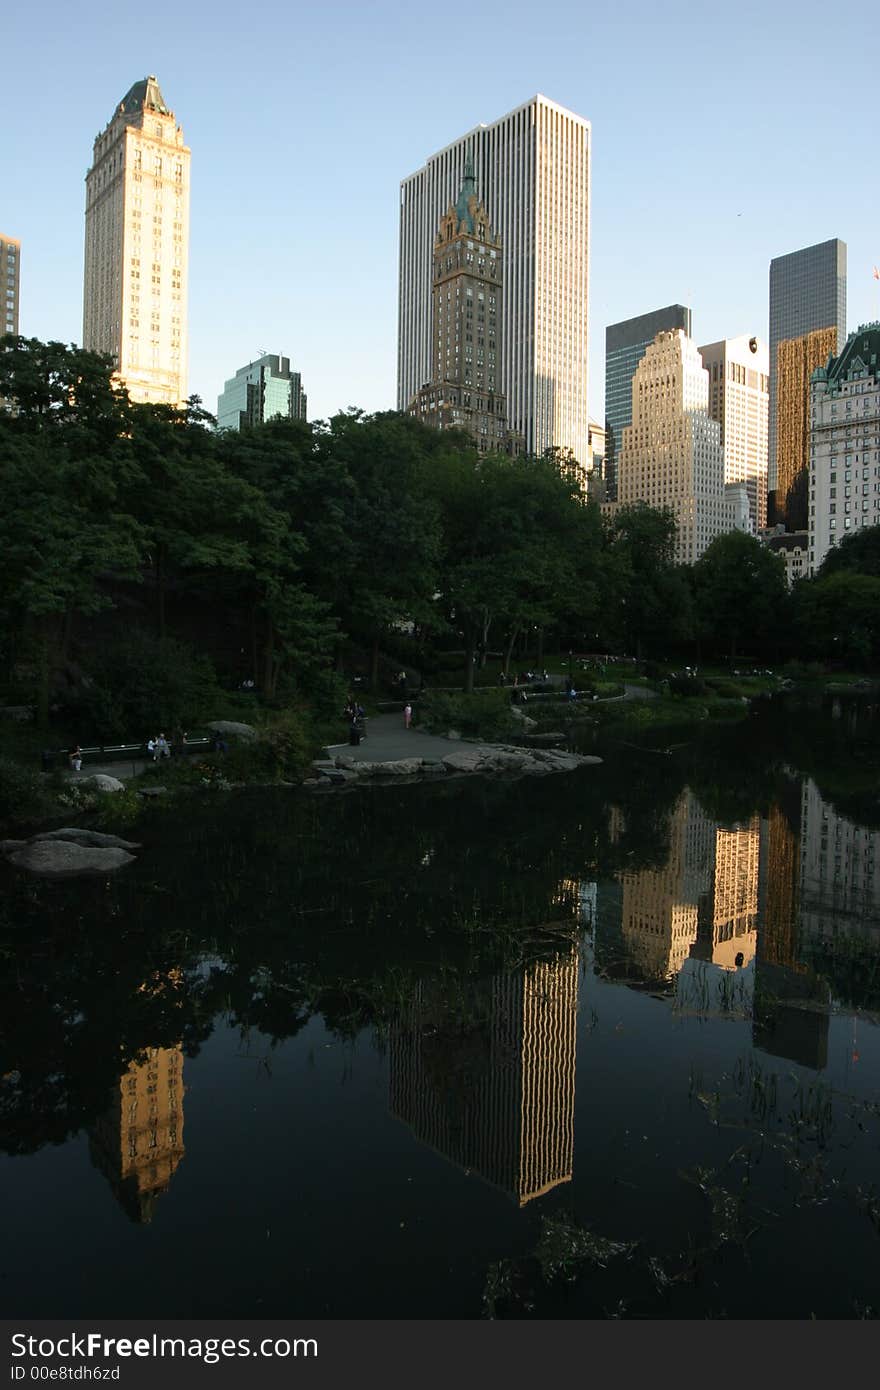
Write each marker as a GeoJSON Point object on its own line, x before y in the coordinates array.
{"type": "Point", "coordinates": [387, 740]}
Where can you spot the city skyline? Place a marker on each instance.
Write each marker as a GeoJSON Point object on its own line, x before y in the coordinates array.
{"type": "Point", "coordinates": [657, 236]}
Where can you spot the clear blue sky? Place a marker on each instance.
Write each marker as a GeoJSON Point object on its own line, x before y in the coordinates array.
{"type": "Point", "coordinates": [723, 135]}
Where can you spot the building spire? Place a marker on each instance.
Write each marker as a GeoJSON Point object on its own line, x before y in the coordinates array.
{"type": "Point", "coordinates": [463, 210]}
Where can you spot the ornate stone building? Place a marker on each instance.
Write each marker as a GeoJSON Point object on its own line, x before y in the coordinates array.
{"type": "Point", "coordinates": [465, 391]}
{"type": "Point", "coordinates": [137, 240]}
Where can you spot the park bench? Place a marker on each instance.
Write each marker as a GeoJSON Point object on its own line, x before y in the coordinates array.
{"type": "Point", "coordinates": [121, 752]}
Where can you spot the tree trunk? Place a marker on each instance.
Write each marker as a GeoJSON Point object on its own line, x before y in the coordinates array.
{"type": "Point", "coordinates": [67, 634]}
{"type": "Point", "coordinates": [268, 660]}
{"type": "Point", "coordinates": [374, 665]}
{"type": "Point", "coordinates": [255, 646]}
{"type": "Point", "coordinates": [469, 652]}
{"type": "Point", "coordinates": [540, 661]}
{"type": "Point", "coordinates": [43, 669]}
{"type": "Point", "coordinates": [509, 652]}
{"type": "Point", "coordinates": [160, 596]}
{"type": "Point", "coordinates": [487, 623]}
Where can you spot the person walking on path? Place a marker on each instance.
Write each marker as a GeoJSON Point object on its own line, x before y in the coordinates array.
{"type": "Point", "coordinates": [151, 749]}
{"type": "Point", "coordinates": [162, 749]}
{"type": "Point", "coordinates": [407, 716]}
{"type": "Point", "coordinates": [74, 757]}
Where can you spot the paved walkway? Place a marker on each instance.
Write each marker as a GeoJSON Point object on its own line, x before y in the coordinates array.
{"type": "Point", "coordinates": [387, 740]}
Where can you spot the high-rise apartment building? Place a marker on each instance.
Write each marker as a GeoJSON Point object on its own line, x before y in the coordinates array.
{"type": "Point", "coordinates": [625, 345]}
{"type": "Point", "coordinates": [137, 241]}
{"type": "Point", "coordinates": [533, 166]}
{"type": "Point", "coordinates": [807, 292]}
{"type": "Point", "coordinates": [739, 396]}
{"type": "Point", "coordinates": [466, 390]}
{"type": "Point", "coordinates": [263, 390]}
{"type": "Point", "coordinates": [671, 454]}
{"type": "Point", "coordinates": [10, 284]}
{"type": "Point", "coordinates": [845, 444]}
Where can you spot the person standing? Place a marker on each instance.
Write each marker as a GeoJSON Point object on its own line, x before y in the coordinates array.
{"type": "Point", "coordinates": [74, 758]}
{"type": "Point", "coordinates": [407, 716]}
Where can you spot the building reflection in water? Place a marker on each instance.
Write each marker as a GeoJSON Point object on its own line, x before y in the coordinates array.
{"type": "Point", "coordinates": [488, 1080]}
{"type": "Point", "coordinates": [754, 895]}
{"type": "Point", "coordinates": [138, 1142]}
{"type": "Point", "coordinates": [662, 907]}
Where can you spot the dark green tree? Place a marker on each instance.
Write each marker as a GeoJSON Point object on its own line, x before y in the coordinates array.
{"type": "Point", "coordinates": [740, 592]}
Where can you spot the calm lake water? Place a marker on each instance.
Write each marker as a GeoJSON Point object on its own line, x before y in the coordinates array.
{"type": "Point", "coordinates": [594, 1045]}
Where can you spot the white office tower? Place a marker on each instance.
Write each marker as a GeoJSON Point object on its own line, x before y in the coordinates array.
{"type": "Point", "coordinates": [672, 454]}
{"type": "Point", "coordinates": [739, 399]}
{"type": "Point", "coordinates": [533, 171]}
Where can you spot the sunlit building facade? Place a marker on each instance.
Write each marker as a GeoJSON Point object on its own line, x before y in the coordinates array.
{"type": "Point", "coordinates": [671, 454]}
{"type": "Point", "coordinates": [533, 169]}
{"type": "Point", "coordinates": [137, 247]}
{"type": "Point", "coordinates": [625, 345]}
{"type": "Point", "coordinates": [739, 399]}
{"type": "Point", "coordinates": [10, 284]}
{"type": "Point", "coordinates": [844, 444]}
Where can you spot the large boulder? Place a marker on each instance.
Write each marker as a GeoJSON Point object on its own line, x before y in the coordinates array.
{"type": "Point", "coordinates": [102, 782]}
{"type": "Point", "coordinates": [89, 839]}
{"type": "Point", "coordinates": [63, 859]}
{"type": "Point", "coordinates": [228, 726]}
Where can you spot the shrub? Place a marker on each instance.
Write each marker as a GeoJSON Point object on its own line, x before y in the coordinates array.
{"type": "Point", "coordinates": [683, 684]}
{"type": "Point", "coordinates": [23, 793]}
{"type": "Point", "coordinates": [484, 714]}
{"type": "Point", "coordinates": [281, 752]}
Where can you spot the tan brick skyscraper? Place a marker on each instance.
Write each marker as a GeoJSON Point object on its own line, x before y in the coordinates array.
{"type": "Point", "coordinates": [137, 241]}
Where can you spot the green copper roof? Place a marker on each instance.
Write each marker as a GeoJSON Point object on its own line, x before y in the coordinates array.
{"type": "Point", "coordinates": [145, 95]}
{"type": "Point", "coordinates": [861, 353]}
{"type": "Point", "coordinates": [468, 191]}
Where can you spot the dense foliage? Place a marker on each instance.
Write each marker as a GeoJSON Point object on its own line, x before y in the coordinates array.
{"type": "Point", "coordinates": [146, 557]}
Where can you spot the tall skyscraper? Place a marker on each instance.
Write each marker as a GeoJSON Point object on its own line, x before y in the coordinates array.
{"type": "Point", "coordinates": [845, 444]}
{"type": "Point", "coordinates": [533, 167]}
{"type": "Point", "coordinates": [807, 292]}
{"type": "Point", "coordinates": [739, 385]}
{"type": "Point", "coordinates": [672, 455]}
{"type": "Point", "coordinates": [10, 281]}
{"type": "Point", "coordinates": [263, 390]}
{"type": "Point", "coordinates": [137, 242]}
{"type": "Point", "coordinates": [466, 390]}
{"type": "Point", "coordinates": [625, 345]}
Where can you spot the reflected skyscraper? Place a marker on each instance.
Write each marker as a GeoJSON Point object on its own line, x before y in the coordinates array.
{"type": "Point", "coordinates": [662, 908]}
{"type": "Point", "coordinates": [490, 1084]}
{"type": "Point", "coordinates": [735, 903]}
{"type": "Point", "coordinates": [840, 871]}
{"type": "Point", "coordinates": [138, 1142]}
{"type": "Point", "coordinates": [790, 1017]}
